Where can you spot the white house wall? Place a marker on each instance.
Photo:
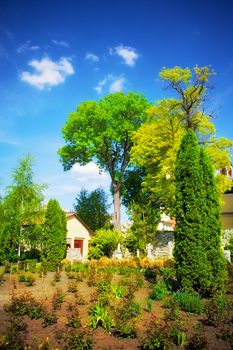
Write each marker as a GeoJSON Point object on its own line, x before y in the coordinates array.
{"type": "Point", "coordinates": [76, 230]}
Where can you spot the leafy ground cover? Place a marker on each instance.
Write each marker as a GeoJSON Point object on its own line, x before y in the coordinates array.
{"type": "Point", "coordinates": [106, 304]}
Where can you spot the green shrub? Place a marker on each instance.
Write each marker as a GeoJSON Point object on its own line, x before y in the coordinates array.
{"type": "Point", "coordinates": [178, 336]}
{"type": "Point", "coordinates": [151, 274]}
{"type": "Point", "coordinates": [78, 341]}
{"type": "Point", "coordinates": [99, 316]}
{"type": "Point", "coordinates": [25, 305]}
{"type": "Point", "coordinates": [58, 299]}
{"type": "Point", "coordinates": [159, 291]}
{"type": "Point", "coordinates": [155, 339]}
{"type": "Point", "coordinates": [129, 310]}
{"type": "Point", "coordinates": [125, 330]}
{"type": "Point", "coordinates": [189, 302]}
{"type": "Point", "coordinates": [104, 243]}
{"type": "Point", "coordinates": [74, 321]}
{"type": "Point", "coordinates": [49, 319]}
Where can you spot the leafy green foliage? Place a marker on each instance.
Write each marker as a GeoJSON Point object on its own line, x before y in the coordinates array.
{"type": "Point", "coordinates": [20, 211]}
{"type": "Point", "coordinates": [104, 243]}
{"type": "Point", "coordinates": [92, 208]}
{"type": "Point", "coordinates": [156, 338]}
{"type": "Point", "coordinates": [159, 290]}
{"type": "Point", "coordinates": [190, 302]}
{"type": "Point", "coordinates": [99, 316]}
{"type": "Point", "coordinates": [198, 259]}
{"type": "Point", "coordinates": [25, 305]}
{"type": "Point", "coordinates": [157, 141]}
{"type": "Point", "coordinates": [102, 132]}
{"type": "Point", "coordinates": [54, 235]}
{"type": "Point", "coordinates": [216, 309]}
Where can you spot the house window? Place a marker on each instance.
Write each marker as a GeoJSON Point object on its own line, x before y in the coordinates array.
{"type": "Point", "coordinates": [78, 243]}
{"type": "Point", "coordinates": [68, 243]}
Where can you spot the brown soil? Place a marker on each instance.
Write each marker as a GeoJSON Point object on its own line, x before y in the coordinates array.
{"type": "Point", "coordinates": [43, 291]}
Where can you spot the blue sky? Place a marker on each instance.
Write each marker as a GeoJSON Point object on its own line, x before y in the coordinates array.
{"type": "Point", "coordinates": [56, 54]}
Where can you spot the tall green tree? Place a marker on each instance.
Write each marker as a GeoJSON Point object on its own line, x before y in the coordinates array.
{"type": "Point", "coordinates": [143, 211]}
{"type": "Point", "coordinates": [212, 222]}
{"type": "Point", "coordinates": [22, 204]}
{"type": "Point", "coordinates": [93, 208]}
{"type": "Point", "coordinates": [197, 267]}
{"type": "Point", "coordinates": [157, 141]}
{"type": "Point", "coordinates": [102, 132]}
{"type": "Point", "coordinates": [54, 235]}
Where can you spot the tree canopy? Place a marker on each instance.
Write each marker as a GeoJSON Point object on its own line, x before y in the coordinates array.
{"type": "Point", "coordinates": [102, 132]}
{"type": "Point", "coordinates": [92, 208]}
{"type": "Point", "coordinates": [21, 206]}
{"type": "Point", "coordinates": [157, 141]}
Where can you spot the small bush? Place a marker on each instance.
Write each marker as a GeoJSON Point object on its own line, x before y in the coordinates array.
{"type": "Point", "coordinates": [72, 288]}
{"type": "Point", "coordinates": [49, 319]}
{"type": "Point", "coordinates": [178, 336]}
{"type": "Point", "coordinates": [125, 330]}
{"type": "Point", "coordinates": [57, 300]}
{"type": "Point", "coordinates": [25, 305]}
{"type": "Point", "coordinates": [74, 321]}
{"type": "Point", "coordinates": [159, 291]}
{"type": "Point", "coordinates": [155, 339]}
{"type": "Point", "coordinates": [130, 310]}
{"type": "Point", "coordinates": [149, 304]}
{"type": "Point", "coordinates": [151, 274]}
{"type": "Point", "coordinates": [189, 302]}
{"type": "Point", "coordinates": [99, 316]}
{"type": "Point", "coordinates": [78, 341]}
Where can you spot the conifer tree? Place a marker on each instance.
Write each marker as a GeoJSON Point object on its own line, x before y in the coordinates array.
{"type": "Point", "coordinates": [212, 217]}
{"type": "Point", "coordinates": [194, 267]}
{"type": "Point", "coordinates": [54, 235]}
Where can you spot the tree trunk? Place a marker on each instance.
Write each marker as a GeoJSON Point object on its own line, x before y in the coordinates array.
{"type": "Point", "coordinates": [117, 207]}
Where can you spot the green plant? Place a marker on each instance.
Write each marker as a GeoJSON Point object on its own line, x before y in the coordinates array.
{"type": "Point", "coordinates": [178, 336]}
{"type": "Point", "coordinates": [117, 291]}
{"type": "Point", "coordinates": [27, 278]}
{"type": "Point", "coordinates": [78, 341]}
{"type": "Point", "coordinates": [74, 320]}
{"type": "Point", "coordinates": [79, 299]}
{"type": "Point", "coordinates": [57, 300]}
{"type": "Point", "coordinates": [149, 304]}
{"type": "Point", "coordinates": [215, 309]}
{"type": "Point", "coordinates": [197, 342]}
{"type": "Point", "coordinates": [125, 329]}
{"type": "Point", "coordinates": [129, 310]}
{"type": "Point", "coordinates": [189, 302]}
{"type": "Point", "coordinates": [173, 312]}
{"type": "Point", "coordinates": [99, 316]}
{"type": "Point", "coordinates": [159, 291]}
{"type": "Point", "coordinates": [25, 305]}
{"type": "Point", "coordinates": [49, 319]}
{"type": "Point", "coordinates": [155, 339]}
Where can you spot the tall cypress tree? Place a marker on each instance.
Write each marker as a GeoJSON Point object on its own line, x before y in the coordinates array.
{"type": "Point", "coordinates": [54, 235]}
{"type": "Point", "coordinates": [213, 225]}
{"type": "Point", "coordinates": [193, 267]}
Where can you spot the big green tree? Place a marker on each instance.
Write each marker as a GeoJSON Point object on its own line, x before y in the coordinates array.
{"type": "Point", "coordinates": [22, 205]}
{"type": "Point", "coordinates": [92, 208]}
{"type": "Point", "coordinates": [102, 132]}
{"type": "Point", "coordinates": [54, 235]}
{"type": "Point", "coordinates": [157, 141]}
{"type": "Point", "coordinates": [198, 259]}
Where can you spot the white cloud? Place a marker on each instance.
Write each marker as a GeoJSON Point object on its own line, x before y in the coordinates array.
{"type": "Point", "coordinates": [92, 57]}
{"type": "Point", "coordinates": [117, 85]}
{"type": "Point", "coordinates": [27, 47]}
{"type": "Point", "coordinates": [129, 54]}
{"type": "Point", "coordinates": [113, 83]}
{"type": "Point", "coordinates": [60, 43]}
{"type": "Point", "coordinates": [89, 171]}
{"type": "Point", "coordinates": [47, 72]}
